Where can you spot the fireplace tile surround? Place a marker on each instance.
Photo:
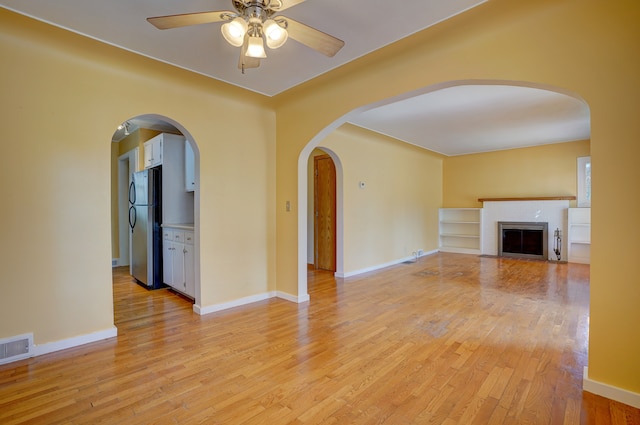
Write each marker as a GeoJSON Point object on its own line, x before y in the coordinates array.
{"type": "Point", "coordinates": [552, 212]}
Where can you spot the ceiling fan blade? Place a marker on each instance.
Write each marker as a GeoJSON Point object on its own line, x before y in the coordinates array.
{"type": "Point", "coordinates": [311, 37]}
{"type": "Point", "coordinates": [187, 19]}
{"type": "Point", "coordinates": [280, 5]}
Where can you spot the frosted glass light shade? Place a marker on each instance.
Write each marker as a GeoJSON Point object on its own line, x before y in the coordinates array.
{"type": "Point", "coordinates": [234, 31]}
{"type": "Point", "coordinates": [255, 48]}
{"type": "Point", "coordinates": [274, 34]}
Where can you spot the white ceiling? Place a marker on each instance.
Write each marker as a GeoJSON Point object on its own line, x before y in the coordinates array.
{"type": "Point", "coordinates": [364, 25]}
{"type": "Point", "coordinates": [451, 121]}
{"type": "Point", "coordinates": [481, 118]}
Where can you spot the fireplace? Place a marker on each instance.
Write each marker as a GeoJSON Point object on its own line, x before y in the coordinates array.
{"type": "Point", "coordinates": [522, 239]}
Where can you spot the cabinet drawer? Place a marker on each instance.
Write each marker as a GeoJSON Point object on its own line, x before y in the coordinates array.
{"type": "Point", "coordinates": [167, 235]}
{"type": "Point", "coordinates": [178, 236]}
{"type": "Point", "coordinates": [188, 238]}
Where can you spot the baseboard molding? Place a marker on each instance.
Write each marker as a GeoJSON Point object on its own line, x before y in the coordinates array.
{"type": "Point", "coordinates": [382, 266]}
{"type": "Point", "coordinates": [294, 299]}
{"type": "Point", "coordinates": [231, 304]}
{"type": "Point", "coordinates": [289, 297]}
{"type": "Point", "coordinates": [608, 391]}
{"type": "Point", "coordinates": [51, 347]}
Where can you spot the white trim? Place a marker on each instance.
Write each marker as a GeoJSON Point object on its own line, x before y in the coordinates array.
{"type": "Point", "coordinates": [605, 390]}
{"type": "Point", "coordinates": [76, 341]}
{"type": "Point", "coordinates": [288, 297]}
{"type": "Point", "coordinates": [248, 300]}
{"type": "Point", "coordinates": [231, 304]}
{"type": "Point", "coordinates": [583, 163]}
{"type": "Point", "coordinates": [127, 165]}
{"type": "Point", "coordinates": [381, 266]}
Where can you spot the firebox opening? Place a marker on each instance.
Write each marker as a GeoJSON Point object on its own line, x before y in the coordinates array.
{"type": "Point", "coordinates": [522, 239]}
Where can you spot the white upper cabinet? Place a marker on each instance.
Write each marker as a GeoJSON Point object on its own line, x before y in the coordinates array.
{"type": "Point", "coordinates": [153, 152]}
{"type": "Point", "coordinates": [177, 203]}
{"type": "Point", "coordinates": [189, 168]}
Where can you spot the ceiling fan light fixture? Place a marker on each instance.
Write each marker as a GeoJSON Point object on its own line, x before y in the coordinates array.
{"type": "Point", "coordinates": [275, 34]}
{"type": "Point", "coordinates": [234, 31]}
{"type": "Point", "coordinates": [255, 47]}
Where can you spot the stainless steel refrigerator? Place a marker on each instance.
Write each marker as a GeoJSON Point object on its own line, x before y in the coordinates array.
{"type": "Point", "coordinates": [145, 219]}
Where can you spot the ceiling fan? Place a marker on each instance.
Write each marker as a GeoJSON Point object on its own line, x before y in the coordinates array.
{"type": "Point", "coordinates": [253, 24]}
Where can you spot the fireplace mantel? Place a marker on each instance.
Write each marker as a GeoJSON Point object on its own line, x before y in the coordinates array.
{"type": "Point", "coordinates": [530, 198]}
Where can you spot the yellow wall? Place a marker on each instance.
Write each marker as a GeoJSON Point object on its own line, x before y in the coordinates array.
{"type": "Point", "coordinates": [548, 170]}
{"type": "Point", "coordinates": [586, 47]}
{"type": "Point", "coordinates": [396, 213]}
{"type": "Point", "coordinates": [62, 97]}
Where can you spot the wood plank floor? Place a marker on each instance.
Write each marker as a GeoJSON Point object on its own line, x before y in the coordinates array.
{"type": "Point", "coordinates": [450, 339]}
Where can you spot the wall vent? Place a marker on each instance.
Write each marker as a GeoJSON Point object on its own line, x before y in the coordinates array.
{"type": "Point", "coordinates": [16, 348]}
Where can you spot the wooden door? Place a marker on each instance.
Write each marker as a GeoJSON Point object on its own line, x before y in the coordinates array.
{"type": "Point", "coordinates": [325, 213]}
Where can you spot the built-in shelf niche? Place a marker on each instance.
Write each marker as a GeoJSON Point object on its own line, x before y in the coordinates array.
{"type": "Point", "coordinates": [579, 238]}
{"type": "Point", "coordinates": [460, 230]}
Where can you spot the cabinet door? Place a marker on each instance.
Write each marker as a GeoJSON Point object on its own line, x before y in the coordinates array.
{"type": "Point", "coordinates": [189, 168]}
{"type": "Point", "coordinates": [167, 262]}
{"type": "Point", "coordinates": [189, 271]}
{"type": "Point", "coordinates": [148, 154]}
{"type": "Point", "coordinates": [153, 152]}
{"type": "Point", "coordinates": [178, 267]}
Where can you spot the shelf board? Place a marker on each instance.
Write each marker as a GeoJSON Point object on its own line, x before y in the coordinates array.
{"type": "Point", "coordinates": [581, 242]}
{"type": "Point", "coordinates": [531, 198]}
{"type": "Point", "coordinates": [455, 235]}
{"type": "Point", "coordinates": [460, 250]}
{"type": "Point", "coordinates": [459, 222]}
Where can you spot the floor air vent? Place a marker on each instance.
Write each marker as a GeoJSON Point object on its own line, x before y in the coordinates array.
{"type": "Point", "coordinates": [15, 348]}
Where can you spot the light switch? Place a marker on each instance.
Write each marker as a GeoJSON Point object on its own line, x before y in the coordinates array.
{"type": "Point", "coordinates": [288, 206]}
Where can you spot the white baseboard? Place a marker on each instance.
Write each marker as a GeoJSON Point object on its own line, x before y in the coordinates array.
{"type": "Point", "coordinates": [50, 347]}
{"type": "Point", "coordinates": [294, 299]}
{"type": "Point", "coordinates": [231, 304]}
{"type": "Point", "coordinates": [248, 300]}
{"type": "Point", "coordinates": [382, 266]}
{"type": "Point", "coordinates": [605, 390]}
{"type": "Point", "coordinates": [289, 297]}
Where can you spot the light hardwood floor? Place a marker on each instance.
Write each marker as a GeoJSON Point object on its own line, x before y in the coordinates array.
{"type": "Point", "coordinates": [450, 339]}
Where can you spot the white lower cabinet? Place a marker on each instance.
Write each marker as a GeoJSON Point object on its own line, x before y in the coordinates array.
{"type": "Point", "coordinates": [178, 260]}
{"type": "Point", "coordinates": [189, 266]}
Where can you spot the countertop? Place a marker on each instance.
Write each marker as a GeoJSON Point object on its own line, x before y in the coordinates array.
{"type": "Point", "coordinates": [181, 226]}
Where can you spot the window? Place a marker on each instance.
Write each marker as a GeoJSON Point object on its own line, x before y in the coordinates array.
{"type": "Point", "coordinates": [584, 181]}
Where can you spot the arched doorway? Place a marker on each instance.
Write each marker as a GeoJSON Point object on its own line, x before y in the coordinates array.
{"type": "Point", "coordinates": [352, 116]}
{"type": "Point", "coordinates": [127, 158]}
{"type": "Point", "coordinates": [323, 218]}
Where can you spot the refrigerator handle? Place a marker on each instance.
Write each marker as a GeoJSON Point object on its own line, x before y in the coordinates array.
{"type": "Point", "coordinates": [132, 193]}
{"type": "Point", "coordinates": [132, 217]}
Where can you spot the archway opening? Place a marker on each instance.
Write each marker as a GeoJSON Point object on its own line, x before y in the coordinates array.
{"type": "Point", "coordinates": [352, 117]}
{"type": "Point", "coordinates": [181, 166]}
